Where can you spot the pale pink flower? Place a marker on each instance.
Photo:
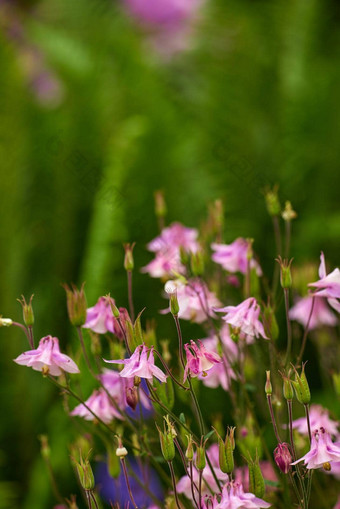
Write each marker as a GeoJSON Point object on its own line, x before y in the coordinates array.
{"type": "Point", "coordinates": [100, 404]}
{"type": "Point", "coordinates": [165, 264]}
{"type": "Point", "coordinates": [319, 418]}
{"type": "Point", "coordinates": [245, 317]}
{"type": "Point", "coordinates": [195, 301]}
{"type": "Point", "coordinates": [199, 360]}
{"type": "Point", "coordinates": [163, 12]}
{"type": "Point", "coordinates": [141, 363]}
{"type": "Point", "coordinates": [234, 497]}
{"type": "Point", "coordinates": [48, 358]}
{"type": "Point", "coordinates": [117, 386]}
{"type": "Point", "coordinates": [100, 319]}
{"type": "Point", "coordinates": [328, 285]}
{"type": "Point", "coordinates": [322, 450]}
{"type": "Point", "coordinates": [220, 373]}
{"type": "Point", "coordinates": [233, 257]}
{"type": "Point", "coordinates": [321, 315]}
{"type": "Point", "coordinates": [184, 484]}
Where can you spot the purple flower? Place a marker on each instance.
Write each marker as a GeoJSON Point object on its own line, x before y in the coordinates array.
{"type": "Point", "coordinates": [283, 457]}
{"type": "Point", "coordinates": [328, 285]}
{"type": "Point", "coordinates": [319, 418]}
{"type": "Point", "coordinates": [162, 12]}
{"type": "Point", "coordinates": [100, 404]}
{"type": "Point", "coordinates": [233, 257]}
{"type": "Point", "coordinates": [321, 313]}
{"type": "Point", "coordinates": [245, 317]}
{"type": "Point", "coordinates": [322, 452]}
{"type": "Point", "coordinates": [141, 363]}
{"type": "Point", "coordinates": [100, 319]}
{"type": "Point", "coordinates": [199, 360]}
{"type": "Point", "coordinates": [195, 301]}
{"type": "Point", "coordinates": [48, 358]}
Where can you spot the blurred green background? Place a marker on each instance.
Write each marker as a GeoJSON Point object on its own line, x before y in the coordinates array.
{"type": "Point", "coordinates": [95, 116]}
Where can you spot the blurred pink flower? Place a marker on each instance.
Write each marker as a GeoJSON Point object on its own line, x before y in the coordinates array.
{"type": "Point", "coordinates": [100, 319]}
{"type": "Point", "coordinates": [283, 457]}
{"type": "Point", "coordinates": [268, 472]}
{"type": "Point", "coordinates": [48, 358]}
{"type": "Point", "coordinates": [234, 497]}
{"type": "Point", "coordinates": [245, 317]}
{"type": "Point", "coordinates": [162, 12]}
{"type": "Point", "coordinates": [328, 285]}
{"type": "Point", "coordinates": [321, 315]}
{"type": "Point", "coordinates": [100, 404]}
{"type": "Point", "coordinates": [165, 264]}
{"type": "Point", "coordinates": [337, 505]}
{"type": "Point", "coordinates": [141, 363]}
{"type": "Point", "coordinates": [319, 418]}
{"type": "Point", "coordinates": [118, 386]}
{"type": "Point", "coordinates": [199, 360]}
{"type": "Point", "coordinates": [220, 373]}
{"type": "Point", "coordinates": [322, 450]}
{"type": "Point", "coordinates": [233, 257]}
{"type": "Point", "coordinates": [195, 301]}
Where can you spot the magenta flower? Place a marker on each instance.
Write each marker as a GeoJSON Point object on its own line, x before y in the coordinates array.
{"type": "Point", "coordinates": [319, 418]}
{"type": "Point", "coordinates": [220, 373]}
{"type": "Point", "coordinates": [100, 319]}
{"type": "Point", "coordinates": [233, 257]}
{"type": "Point", "coordinates": [328, 285]}
{"type": "Point", "coordinates": [283, 457]}
{"type": "Point", "coordinates": [48, 358]}
{"type": "Point", "coordinates": [141, 363]}
{"type": "Point", "coordinates": [163, 12]}
{"type": "Point", "coordinates": [100, 404]}
{"type": "Point", "coordinates": [118, 387]}
{"type": "Point", "coordinates": [195, 301]}
{"type": "Point", "coordinates": [245, 317]}
{"type": "Point", "coordinates": [199, 360]}
{"type": "Point", "coordinates": [322, 451]}
{"type": "Point", "coordinates": [321, 313]}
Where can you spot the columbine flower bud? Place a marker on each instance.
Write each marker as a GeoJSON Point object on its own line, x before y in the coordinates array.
{"type": "Point", "coordinates": [167, 439]}
{"type": "Point", "coordinates": [132, 397]}
{"type": "Point", "coordinates": [256, 481]}
{"type": "Point", "coordinates": [85, 473]}
{"type": "Point", "coordinates": [189, 453]}
{"type": "Point", "coordinates": [44, 447]}
{"type": "Point", "coordinates": [128, 259]}
{"type": "Point", "coordinates": [5, 322]}
{"type": "Point", "coordinates": [285, 273]}
{"type": "Point", "coordinates": [301, 387]}
{"type": "Point", "coordinates": [226, 451]}
{"type": "Point", "coordinates": [197, 263]}
{"type": "Point", "coordinates": [288, 214]}
{"type": "Point", "coordinates": [268, 386]}
{"type": "Point", "coordinates": [272, 201]}
{"type": "Point", "coordinates": [114, 309]}
{"type": "Point", "coordinates": [200, 457]}
{"type": "Point", "coordinates": [171, 290]}
{"type": "Point", "coordinates": [27, 311]}
{"type": "Point", "coordinates": [76, 305]}
{"type": "Point", "coordinates": [121, 451]}
{"type": "Point", "coordinates": [283, 457]}
{"type": "Point", "coordinates": [288, 392]}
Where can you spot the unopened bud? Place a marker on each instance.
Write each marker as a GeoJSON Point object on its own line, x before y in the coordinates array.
{"type": "Point", "coordinates": [128, 259]}
{"type": "Point", "coordinates": [272, 201]}
{"type": "Point", "coordinates": [132, 397]}
{"type": "Point", "coordinates": [301, 387]}
{"type": "Point", "coordinates": [76, 305]}
{"type": "Point", "coordinates": [171, 290]}
{"type": "Point", "coordinates": [5, 322]}
{"type": "Point", "coordinates": [288, 392]}
{"type": "Point", "coordinates": [285, 272]}
{"type": "Point", "coordinates": [166, 439]}
{"type": "Point", "coordinates": [268, 386]}
{"type": "Point", "coordinates": [289, 214]}
{"type": "Point", "coordinates": [283, 457]}
{"type": "Point", "coordinates": [27, 311]}
{"type": "Point", "coordinates": [200, 457]}
{"type": "Point", "coordinates": [189, 453]}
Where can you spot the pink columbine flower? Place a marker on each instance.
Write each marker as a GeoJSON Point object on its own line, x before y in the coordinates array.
{"type": "Point", "coordinates": [100, 404]}
{"type": "Point", "coordinates": [48, 358]}
{"type": "Point", "coordinates": [283, 457]}
{"type": "Point", "coordinates": [245, 317]}
{"type": "Point", "coordinates": [322, 452]}
{"type": "Point", "coordinates": [119, 387]}
{"type": "Point", "coordinates": [195, 301]}
{"type": "Point", "coordinates": [199, 360]}
{"type": "Point", "coordinates": [220, 373]}
{"type": "Point", "coordinates": [100, 319]}
{"type": "Point", "coordinates": [167, 247]}
{"type": "Point", "coordinates": [233, 257]}
{"type": "Point", "coordinates": [328, 285]}
{"type": "Point", "coordinates": [234, 497]}
{"type": "Point", "coordinates": [321, 313]}
{"type": "Point", "coordinates": [141, 363]}
{"type": "Point", "coordinates": [319, 418]}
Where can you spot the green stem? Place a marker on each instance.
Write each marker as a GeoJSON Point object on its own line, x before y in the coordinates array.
{"type": "Point", "coordinates": [289, 327]}
{"type": "Point", "coordinates": [131, 306]}
{"type": "Point", "coordinates": [173, 478]}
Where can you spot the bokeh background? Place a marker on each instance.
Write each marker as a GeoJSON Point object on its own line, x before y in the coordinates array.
{"type": "Point", "coordinates": [104, 101]}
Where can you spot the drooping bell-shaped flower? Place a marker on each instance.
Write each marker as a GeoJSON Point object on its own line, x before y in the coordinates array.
{"type": "Point", "coordinates": [100, 318]}
{"type": "Point", "coordinates": [321, 314]}
{"type": "Point", "coordinates": [100, 404]}
{"type": "Point", "coordinates": [322, 452]}
{"type": "Point", "coordinates": [328, 285]}
{"type": "Point", "coordinates": [245, 317]}
{"type": "Point", "coordinates": [234, 257]}
{"type": "Point", "coordinates": [48, 358]}
{"type": "Point", "coordinates": [199, 360]}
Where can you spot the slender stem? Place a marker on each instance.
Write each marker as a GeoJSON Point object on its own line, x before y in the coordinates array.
{"type": "Point", "coordinates": [131, 306]}
{"type": "Point", "coordinates": [88, 498]}
{"type": "Point", "coordinates": [173, 478]}
{"type": "Point", "coordinates": [200, 488]}
{"type": "Point", "coordinates": [124, 336]}
{"type": "Point", "coordinates": [247, 280]}
{"type": "Point", "coordinates": [22, 327]}
{"type": "Point", "coordinates": [308, 422]}
{"type": "Point", "coordinates": [198, 410]}
{"type": "Point", "coordinates": [180, 340]}
{"type": "Point", "coordinates": [269, 400]}
{"type": "Point", "coordinates": [289, 327]}
{"type": "Point", "coordinates": [290, 418]}
{"type": "Point", "coordinates": [30, 332]}
{"type": "Point", "coordinates": [278, 244]}
{"type": "Point", "coordinates": [304, 340]}
{"type": "Point", "coordinates": [94, 499]}
{"type": "Point", "coordinates": [192, 484]}
{"type": "Point", "coordinates": [288, 231]}
{"type": "Point", "coordinates": [87, 360]}
{"type": "Point", "coordinates": [169, 372]}
{"type": "Point", "coordinates": [128, 483]}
